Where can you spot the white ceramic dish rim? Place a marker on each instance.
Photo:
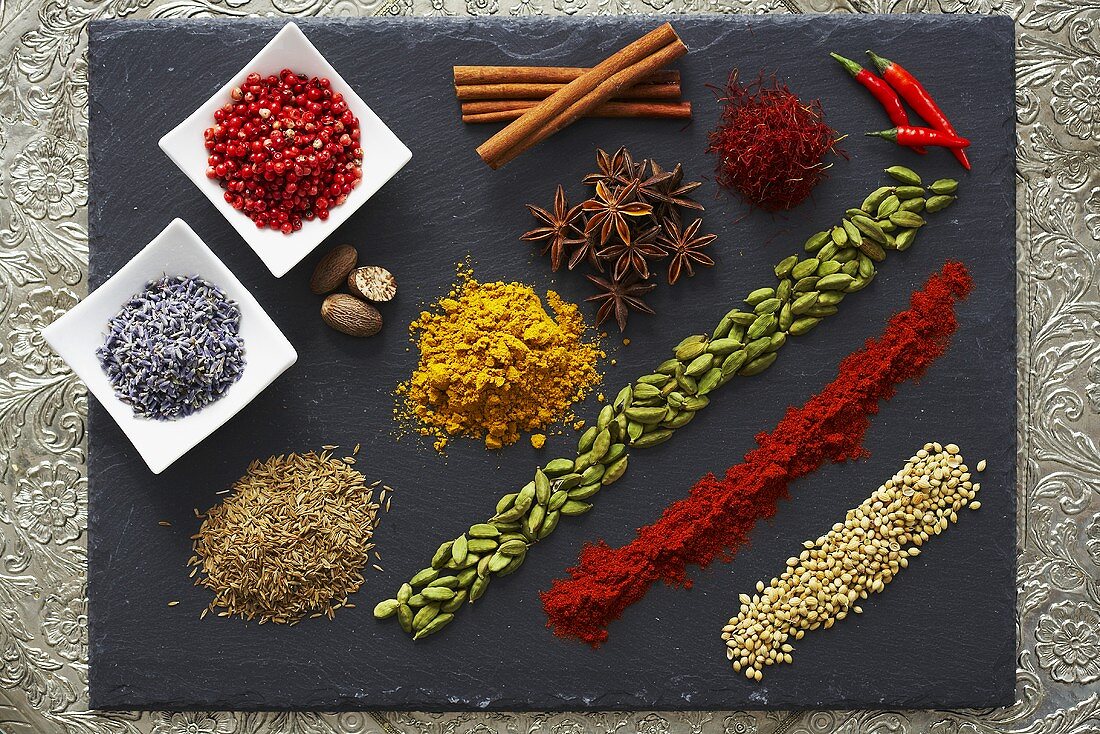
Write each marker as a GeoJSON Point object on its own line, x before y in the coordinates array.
{"type": "Point", "coordinates": [79, 332]}
{"type": "Point", "coordinates": [384, 153]}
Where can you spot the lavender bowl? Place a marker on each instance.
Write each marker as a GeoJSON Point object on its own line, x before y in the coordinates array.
{"type": "Point", "coordinates": [177, 250]}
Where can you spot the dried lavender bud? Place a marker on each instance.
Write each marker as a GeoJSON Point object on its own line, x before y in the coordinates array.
{"type": "Point", "coordinates": [174, 348]}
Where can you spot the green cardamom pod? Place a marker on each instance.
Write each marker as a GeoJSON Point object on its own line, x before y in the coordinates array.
{"type": "Point", "coordinates": [607, 413]}
{"type": "Point", "coordinates": [575, 507]}
{"type": "Point", "coordinates": [405, 592]}
{"type": "Point", "coordinates": [908, 192]}
{"type": "Point", "coordinates": [759, 364]}
{"type": "Point", "coordinates": [614, 471]}
{"type": "Point", "coordinates": [904, 175]}
{"type": "Point", "coordinates": [442, 555]}
{"type": "Point", "coordinates": [481, 583]}
{"type": "Point", "coordinates": [758, 295]}
{"type": "Point", "coordinates": [816, 241]}
{"type": "Point", "coordinates": [652, 439]}
{"type": "Point", "coordinates": [438, 593]}
{"type": "Point", "coordinates": [804, 268]}
{"type": "Point", "coordinates": [482, 545]}
{"type": "Point", "coordinates": [771, 305]}
{"type": "Point", "coordinates": [821, 312]}
{"type": "Point", "coordinates": [913, 205]}
{"type": "Point", "coordinates": [827, 252]}
{"type": "Point", "coordinates": [834, 282]}
{"type": "Point", "coordinates": [557, 499]}
{"type": "Point", "coordinates": [733, 362]}
{"type": "Point", "coordinates": [498, 561]}
{"type": "Point", "coordinates": [646, 416]}
{"type": "Point", "coordinates": [870, 204]}
{"type": "Point", "coordinates": [586, 439]}
{"type": "Point", "coordinates": [743, 318]}
{"type": "Point", "coordinates": [720, 347]}
{"type": "Point", "coordinates": [803, 302]}
{"type": "Point", "coordinates": [870, 228]}
{"type": "Point", "coordinates": [416, 601]}
{"type": "Point", "coordinates": [803, 325]}
{"type": "Point", "coordinates": [907, 219]}
{"type": "Point", "coordinates": [582, 492]}
{"type": "Point", "coordinates": [485, 530]}
{"type": "Point", "coordinates": [763, 326]}
{"type": "Point", "coordinates": [668, 366]}
{"type": "Point", "coordinates": [783, 291]}
{"type": "Point", "coordinates": [549, 523]}
{"type": "Point", "coordinates": [828, 268]}
{"type": "Point", "coordinates": [426, 575]}
{"type": "Point", "coordinates": [936, 203]}
{"type": "Point", "coordinates": [452, 606]}
{"type": "Point", "coordinates": [806, 284]}
{"type": "Point", "coordinates": [831, 298]}
{"type": "Point", "coordinates": [785, 317]}
{"type": "Point", "coordinates": [944, 186]}
{"type": "Point", "coordinates": [426, 614]}
{"type": "Point", "coordinates": [757, 347]}
{"type": "Point", "coordinates": [405, 618]}
{"type": "Point", "coordinates": [682, 418]}
{"type": "Point", "coordinates": [437, 623]}
{"type": "Point", "coordinates": [690, 348]}
{"type": "Point", "coordinates": [386, 609]}
{"type": "Point", "coordinates": [447, 582]}
{"type": "Point", "coordinates": [655, 380]}
{"type": "Point", "coordinates": [556, 467]}
{"type": "Point", "coordinates": [542, 487]}
{"type": "Point", "coordinates": [854, 235]}
{"type": "Point", "coordinates": [459, 549]}
{"type": "Point", "coordinates": [699, 365]}
{"type": "Point", "coordinates": [783, 269]}
{"type": "Point", "coordinates": [888, 206]}
{"type": "Point", "coordinates": [839, 236]}
{"type": "Point", "coordinates": [904, 239]}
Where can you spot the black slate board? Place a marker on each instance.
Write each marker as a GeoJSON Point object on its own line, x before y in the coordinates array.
{"type": "Point", "coordinates": [942, 635]}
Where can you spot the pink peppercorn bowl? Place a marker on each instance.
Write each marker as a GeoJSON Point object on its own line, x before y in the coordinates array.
{"type": "Point", "coordinates": [177, 250]}
{"type": "Point", "coordinates": [383, 152]}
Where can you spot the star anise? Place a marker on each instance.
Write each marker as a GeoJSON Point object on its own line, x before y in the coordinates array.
{"type": "Point", "coordinates": [587, 249]}
{"type": "Point", "coordinates": [685, 246]}
{"type": "Point", "coordinates": [609, 211]}
{"type": "Point", "coordinates": [617, 297]}
{"type": "Point", "coordinates": [634, 256]}
{"type": "Point", "coordinates": [612, 167]}
{"type": "Point", "coordinates": [561, 228]}
{"type": "Point", "coordinates": [674, 192]}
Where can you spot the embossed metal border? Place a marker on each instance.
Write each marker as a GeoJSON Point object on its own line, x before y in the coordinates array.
{"type": "Point", "coordinates": [43, 258]}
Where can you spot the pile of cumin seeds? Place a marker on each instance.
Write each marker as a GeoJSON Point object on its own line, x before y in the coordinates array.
{"type": "Point", "coordinates": [289, 541]}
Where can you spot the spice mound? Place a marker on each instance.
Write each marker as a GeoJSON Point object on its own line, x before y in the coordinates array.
{"type": "Point", "coordinates": [493, 363]}
{"type": "Point", "coordinates": [770, 144]}
{"type": "Point", "coordinates": [855, 558]}
{"type": "Point", "coordinates": [174, 348]}
{"type": "Point", "coordinates": [290, 541]}
{"type": "Point", "coordinates": [285, 148]}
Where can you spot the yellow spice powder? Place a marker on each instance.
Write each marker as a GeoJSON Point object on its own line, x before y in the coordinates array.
{"type": "Point", "coordinates": [494, 364]}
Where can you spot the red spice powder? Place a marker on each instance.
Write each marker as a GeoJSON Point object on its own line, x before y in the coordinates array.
{"type": "Point", "coordinates": [715, 519]}
{"type": "Point", "coordinates": [770, 144]}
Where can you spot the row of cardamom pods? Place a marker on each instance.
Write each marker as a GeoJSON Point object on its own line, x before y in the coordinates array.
{"type": "Point", "coordinates": [745, 342]}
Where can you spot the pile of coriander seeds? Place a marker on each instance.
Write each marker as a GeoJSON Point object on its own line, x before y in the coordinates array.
{"type": "Point", "coordinates": [855, 558]}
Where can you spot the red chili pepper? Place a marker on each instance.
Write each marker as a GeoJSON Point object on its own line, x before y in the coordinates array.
{"type": "Point", "coordinates": [913, 92]}
{"type": "Point", "coordinates": [922, 136]}
{"type": "Point", "coordinates": [881, 91]}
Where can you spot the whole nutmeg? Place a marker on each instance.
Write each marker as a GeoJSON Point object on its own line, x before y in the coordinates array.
{"type": "Point", "coordinates": [349, 315]}
{"type": "Point", "coordinates": [333, 269]}
{"type": "Point", "coordinates": [373, 283]}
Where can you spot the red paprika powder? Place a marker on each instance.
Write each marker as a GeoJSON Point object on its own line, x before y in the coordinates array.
{"type": "Point", "coordinates": [715, 519]}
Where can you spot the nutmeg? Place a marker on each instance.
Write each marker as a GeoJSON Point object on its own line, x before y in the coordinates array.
{"type": "Point", "coordinates": [333, 268]}
{"type": "Point", "coordinates": [372, 283]}
{"type": "Point", "coordinates": [351, 316]}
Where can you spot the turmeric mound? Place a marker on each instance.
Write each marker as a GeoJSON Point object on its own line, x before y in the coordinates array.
{"type": "Point", "coordinates": [493, 363]}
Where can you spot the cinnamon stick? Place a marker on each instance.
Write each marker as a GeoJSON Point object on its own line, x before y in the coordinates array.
{"type": "Point", "coordinates": [578, 107]}
{"type": "Point", "coordinates": [542, 75]}
{"type": "Point", "coordinates": [624, 68]}
{"type": "Point", "coordinates": [523, 90]}
{"type": "Point", "coordinates": [505, 110]}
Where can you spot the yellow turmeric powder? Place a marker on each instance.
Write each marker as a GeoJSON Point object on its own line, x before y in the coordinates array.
{"type": "Point", "coordinates": [493, 363]}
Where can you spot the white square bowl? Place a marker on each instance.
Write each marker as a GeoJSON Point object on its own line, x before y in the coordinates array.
{"type": "Point", "coordinates": [177, 250]}
{"type": "Point", "coordinates": [383, 153]}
